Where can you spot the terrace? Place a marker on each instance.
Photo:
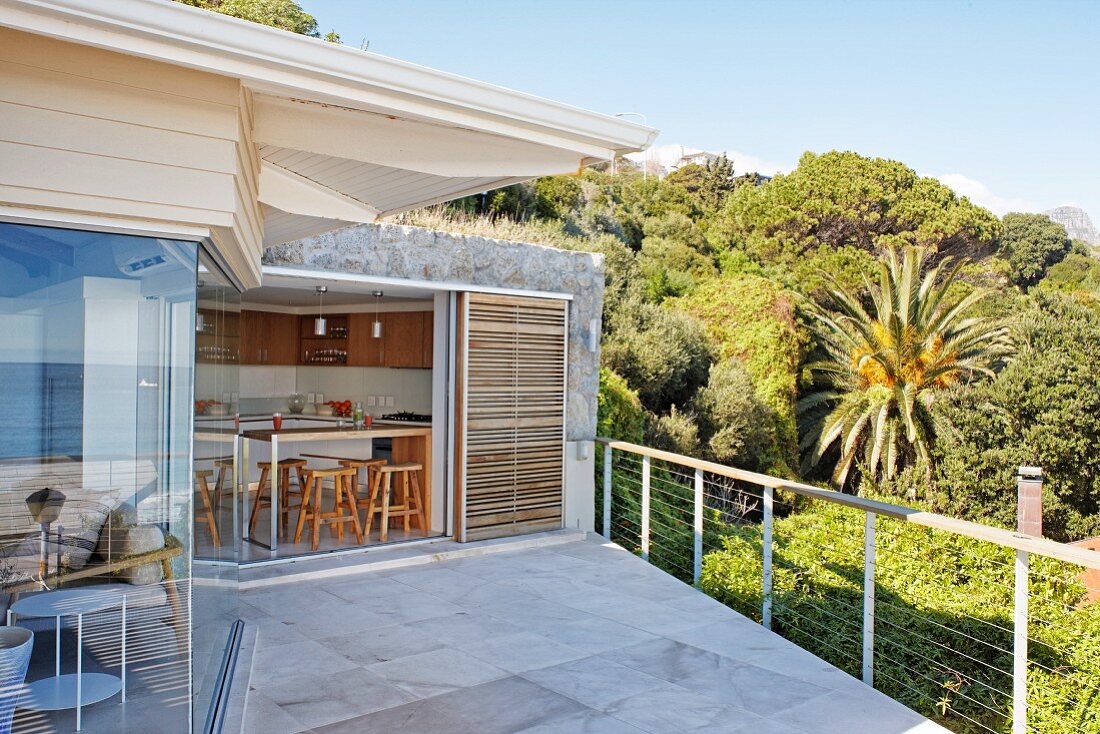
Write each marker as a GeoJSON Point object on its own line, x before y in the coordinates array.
{"type": "Point", "coordinates": [575, 635]}
{"type": "Point", "coordinates": [567, 632]}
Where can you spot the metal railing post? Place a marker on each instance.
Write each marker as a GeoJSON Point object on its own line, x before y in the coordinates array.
{"type": "Point", "coordinates": [697, 566]}
{"type": "Point", "coordinates": [869, 599]}
{"type": "Point", "coordinates": [645, 508]}
{"type": "Point", "coordinates": [1019, 646]}
{"type": "Point", "coordinates": [1029, 520]}
{"type": "Point", "coordinates": [766, 610]}
{"type": "Point", "coordinates": [607, 492]}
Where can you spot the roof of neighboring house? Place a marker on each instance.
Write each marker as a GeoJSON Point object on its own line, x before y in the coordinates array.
{"type": "Point", "coordinates": [346, 135]}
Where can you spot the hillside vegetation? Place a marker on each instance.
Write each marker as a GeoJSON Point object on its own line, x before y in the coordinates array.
{"type": "Point", "coordinates": [714, 278]}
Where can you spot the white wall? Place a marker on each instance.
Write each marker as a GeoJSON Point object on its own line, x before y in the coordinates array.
{"type": "Point", "coordinates": [580, 486]}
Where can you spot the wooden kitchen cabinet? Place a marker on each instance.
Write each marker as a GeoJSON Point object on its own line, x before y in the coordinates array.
{"type": "Point", "coordinates": [363, 349]}
{"type": "Point", "coordinates": [429, 340]}
{"type": "Point", "coordinates": [252, 337]}
{"type": "Point", "coordinates": [280, 332]}
{"type": "Point", "coordinates": [403, 338]}
{"type": "Point", "coordinates": [268, 338]}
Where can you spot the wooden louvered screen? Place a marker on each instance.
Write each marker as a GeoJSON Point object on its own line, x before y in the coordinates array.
{"type": "Point", "coordinates": [513, 355]}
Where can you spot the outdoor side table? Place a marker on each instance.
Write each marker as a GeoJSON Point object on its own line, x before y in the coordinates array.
{"type": "Point", "coordinates": [72, 690]}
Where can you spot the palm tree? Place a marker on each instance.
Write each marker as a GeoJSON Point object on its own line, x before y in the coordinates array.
{"type": "Point", "coordinates": [883, 367]}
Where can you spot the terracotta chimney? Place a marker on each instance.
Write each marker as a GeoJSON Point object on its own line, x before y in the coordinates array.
{"type": "Point", "coordinates": [1029, 512]}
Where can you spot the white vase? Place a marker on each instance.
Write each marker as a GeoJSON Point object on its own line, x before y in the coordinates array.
{"type": "Point", "coordinates": [15, 655]}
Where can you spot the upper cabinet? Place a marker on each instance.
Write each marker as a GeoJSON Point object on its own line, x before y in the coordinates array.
{"type": "Point", "coordinates": [429, 340]}
{"type": "Point", "coordinates": [286, 339]}
{"type": "Point", "coordinates": [268, 338]}
{"type": "Point", "coordinates": [281, 335]}
{"type": "Point", "coordinates": [406, 340]}
{"type": "Point", "coordinates": [252, 338]}
{"type": "Point", "coordinates": [403, 338]}
{"type": "Point", "coordinates": [363, 349]}
{"type": "Point", "coordinates": [332, 348]}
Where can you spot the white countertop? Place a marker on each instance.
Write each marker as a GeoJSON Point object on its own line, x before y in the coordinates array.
{"type": "Point", "coordinates": [287, 416]}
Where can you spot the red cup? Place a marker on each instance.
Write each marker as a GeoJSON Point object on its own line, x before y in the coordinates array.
{"type": "Point", "coordinates": [237, 421]}
{"type": "Point", "coordinates": [367, 420]}
{"type": "Point", "coordinates": [277, 421]}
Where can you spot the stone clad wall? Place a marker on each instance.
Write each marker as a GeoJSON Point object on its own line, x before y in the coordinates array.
{"type": "Point", "coordinates": [398, 251]}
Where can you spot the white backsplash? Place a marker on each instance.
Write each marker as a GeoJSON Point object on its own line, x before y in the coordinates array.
{"type": "Point", "coordinates": [265, 388]}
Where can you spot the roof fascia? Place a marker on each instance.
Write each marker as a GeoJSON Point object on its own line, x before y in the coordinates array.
{"type": "Point", "coordinates": [279, 62]}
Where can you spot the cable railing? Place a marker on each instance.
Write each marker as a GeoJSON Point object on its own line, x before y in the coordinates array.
{"type": "Point", "coordinates": [980, 628]}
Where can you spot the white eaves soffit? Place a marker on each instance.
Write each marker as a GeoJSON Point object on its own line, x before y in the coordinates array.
{"type": "Point", "coordinates": [347, 135]}
{"type": "Point", "coordinates": [333, 163]}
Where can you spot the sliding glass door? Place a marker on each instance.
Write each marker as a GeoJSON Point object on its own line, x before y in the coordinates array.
{"type": "Point", "coordinates": [96, 374]}
{"type": "Point", "coordinates": [215, 536]}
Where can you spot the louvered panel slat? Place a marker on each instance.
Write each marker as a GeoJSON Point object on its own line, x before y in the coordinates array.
{"type": "Point", "coordinates": [514, 354]}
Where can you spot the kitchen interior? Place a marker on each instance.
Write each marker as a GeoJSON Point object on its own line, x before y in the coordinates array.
{"type": "Point", "coordinates": [338, 378]}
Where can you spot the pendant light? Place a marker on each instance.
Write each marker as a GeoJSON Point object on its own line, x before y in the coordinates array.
{"type": "Point", "coordinates": [376, 330]}
{"type": "Point", "coordinates": [320, 325]}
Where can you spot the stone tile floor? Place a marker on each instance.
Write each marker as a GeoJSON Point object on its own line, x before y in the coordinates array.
{"type": "Point", "coordinates": [576, 637]}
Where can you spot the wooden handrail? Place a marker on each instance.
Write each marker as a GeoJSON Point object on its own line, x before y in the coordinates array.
{"type": "Point", "coordinates": [999, 536]}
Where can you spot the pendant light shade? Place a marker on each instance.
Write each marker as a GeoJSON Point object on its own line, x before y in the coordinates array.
{"type": "Point", "coordinates": [320, 324]}
{"type": "Point", "coordinates": [376, 329]}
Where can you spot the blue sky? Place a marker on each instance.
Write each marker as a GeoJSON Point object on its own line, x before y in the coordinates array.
{"type": "Point", "coordinates": [999, 99]}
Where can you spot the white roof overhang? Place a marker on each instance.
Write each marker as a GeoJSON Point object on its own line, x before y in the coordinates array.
{"type": "Point", "coordinates": [346, 135]}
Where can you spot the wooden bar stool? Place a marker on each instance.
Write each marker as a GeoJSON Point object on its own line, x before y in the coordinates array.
{"type": "Point", "coordinates": [285, 467]}
{"type": "Point", "coordinates": [344, 507]}
{"type": "Point", "coordinates": [207, 510]}
{"type": "Point", "coordinates": [225, 474]}
{"type": "Point", "coordinates": [382, 496]}
{"type": "Point", "coordinates": [371, 465]}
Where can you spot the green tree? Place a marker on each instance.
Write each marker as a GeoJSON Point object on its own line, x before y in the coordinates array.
{"type": "Point", "coordinates": [710, 183]}
{"type": "Point", "coordinates": [844, 199]}
{"type": "Point", "coordinates": [1032, 243]}
{"type": "Point", "coordinates": [285, 14]}
{"type": "Point", "coordinates": [718, 182]}
{"type": "Point", "coordinates": [556, 196]}
{"type": "Point", "coordinates": [1043, 409]}
{"type": "Point", "coordinates": [674, 255]}
{"type": "Point", "coordinates": [880, 372]}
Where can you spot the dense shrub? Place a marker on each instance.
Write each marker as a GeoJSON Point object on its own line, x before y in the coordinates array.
{"type": "Point", "coordinates": [752, 319]}
{"type": "Point", "coordinates": [943, 622]}
{"type": "Point", "coordinates": [734, 422]}
{"type": "Point", "coordinates": [1077, 274]}
{"type": "Point", "coordinates": [619, 414]}
{"type": "Point", "coordinates": [662, 353]}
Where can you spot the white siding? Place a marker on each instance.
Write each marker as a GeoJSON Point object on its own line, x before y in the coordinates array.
{"type": "Point", "coordinates": [88, 131]}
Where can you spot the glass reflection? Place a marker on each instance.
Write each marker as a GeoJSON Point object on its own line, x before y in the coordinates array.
{"type": "Point", "coordinates": [96, 370]}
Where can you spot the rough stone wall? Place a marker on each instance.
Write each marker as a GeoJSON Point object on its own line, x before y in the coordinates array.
{"type": "Point", "coordinates": [398, 251]}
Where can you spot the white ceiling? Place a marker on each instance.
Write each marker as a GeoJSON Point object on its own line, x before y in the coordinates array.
{"type": "Point", "coordinates": [299, 293]}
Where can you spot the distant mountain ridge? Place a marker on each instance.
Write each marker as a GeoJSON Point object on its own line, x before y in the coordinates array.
{"type": "Point", "coordinates": [1077, 223]}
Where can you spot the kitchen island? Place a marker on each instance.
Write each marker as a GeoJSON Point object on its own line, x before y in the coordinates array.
{"type": "Point", "coordinates": [410, 444]}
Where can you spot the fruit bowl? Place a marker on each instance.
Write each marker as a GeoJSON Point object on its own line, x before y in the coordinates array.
{"type": "Point", "coordinates": [323, 409]}
{"type": "Point", "coordinates": [340, 407]}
